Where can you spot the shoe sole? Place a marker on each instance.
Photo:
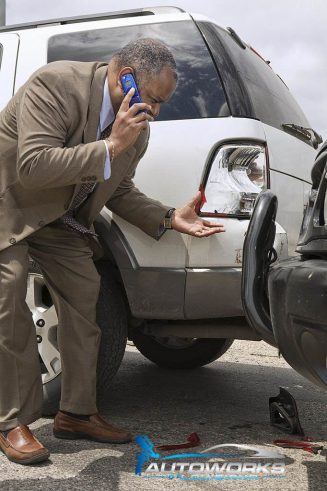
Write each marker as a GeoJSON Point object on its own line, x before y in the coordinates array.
{"type": "Point", "coordinates": [68, 435]}
{"type": "Point", "coordinates": [33, 460]}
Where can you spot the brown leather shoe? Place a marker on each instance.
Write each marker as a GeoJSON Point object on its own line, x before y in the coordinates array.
{"type": "Point", "coordinates": [21, 446]}
{"type": "Point", "coordinates": [96, 429]}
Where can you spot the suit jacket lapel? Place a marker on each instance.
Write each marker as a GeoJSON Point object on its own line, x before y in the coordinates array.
{"type": "Point", "coordinates": [91, 127]}
{"type": "Point", "coordinates": [93, 113]}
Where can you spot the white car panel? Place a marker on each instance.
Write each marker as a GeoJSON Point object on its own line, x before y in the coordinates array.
{"type": "Point", "coordinates": [290, 193]}
{"type": "Point", "coordinates": [172, 168]}
{"type": "Point", "coordinates": [171, 171]}
{"type": "Point", "coordinates": [8, 56]}
{"type": "Point", "coordinates": [288, 154]}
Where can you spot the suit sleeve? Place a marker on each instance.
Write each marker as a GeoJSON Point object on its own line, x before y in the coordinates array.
{"type": "Point", "coordinates": [43, 123]}
{"type": "Point", "coordinates": [137, 208]}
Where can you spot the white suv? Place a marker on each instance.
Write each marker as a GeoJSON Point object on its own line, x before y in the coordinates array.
{"type": "Point", "coordinates": [231, 129]}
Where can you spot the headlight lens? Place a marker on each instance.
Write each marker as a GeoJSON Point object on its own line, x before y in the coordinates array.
{"type": "Point", "coordinates": [238, 174]}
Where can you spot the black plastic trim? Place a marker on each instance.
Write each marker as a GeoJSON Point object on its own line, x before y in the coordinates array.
{"type": "Point", "coordinates": [258, 242]}
{"type": "Point", "coordinates": [237, 97]}
{"type": "Point", "coordinates": [197, 24]}
{"type": "Point", "coordinates": [236, 37]}
{"type": "Point", "coordinates": [313, 235]}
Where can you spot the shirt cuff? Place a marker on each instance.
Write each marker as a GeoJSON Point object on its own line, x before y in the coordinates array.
{"type": "Point", "coordinates": [107, 167]}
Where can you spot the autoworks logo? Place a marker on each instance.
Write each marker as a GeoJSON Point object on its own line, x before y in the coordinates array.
{"type": "Point", "coordinates": [224, 462]}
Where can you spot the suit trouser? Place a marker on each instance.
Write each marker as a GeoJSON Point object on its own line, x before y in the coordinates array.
{"type": "Point", "coordinates": [65, 259]}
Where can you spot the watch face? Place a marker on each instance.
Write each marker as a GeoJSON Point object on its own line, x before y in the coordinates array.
{"type": "Point", "coordinates": [168, 218]}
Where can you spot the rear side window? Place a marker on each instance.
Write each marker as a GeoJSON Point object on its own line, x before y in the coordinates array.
{"type": "Point", "coordinates": [261, 93]}
{"type": "Point", "coordinates": [199, 92]}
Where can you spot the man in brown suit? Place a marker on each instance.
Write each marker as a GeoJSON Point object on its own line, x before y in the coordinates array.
{"type": "Point", "coordinates": [58, 168]}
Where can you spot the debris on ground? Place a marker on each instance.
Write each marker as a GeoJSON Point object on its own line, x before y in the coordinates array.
{"type": "Point", "coordinates": [193, 440]}
{"type": "Point", "coordinates": [284, 414]}
{"type": "Point", "coordinates": [301, 444]}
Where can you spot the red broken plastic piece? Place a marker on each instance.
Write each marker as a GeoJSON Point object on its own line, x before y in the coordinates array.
{"type": "Point", "coordinates": [192, 440]}
{"type": "Point", "coordinates": [304, 445]}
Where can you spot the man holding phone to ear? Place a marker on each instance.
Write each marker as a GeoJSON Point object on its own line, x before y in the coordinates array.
{"type": "Point", "coordinates": [70, 141]}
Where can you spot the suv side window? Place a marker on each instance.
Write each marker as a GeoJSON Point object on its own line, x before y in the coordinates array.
{"type": "Point", "coordinates": [261, 93]}
{"type": "Point", "coordinates": [199, 92]}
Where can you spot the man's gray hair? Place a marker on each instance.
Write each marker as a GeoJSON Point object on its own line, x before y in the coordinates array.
{"type": "Point", "coordinates": [147, 57]}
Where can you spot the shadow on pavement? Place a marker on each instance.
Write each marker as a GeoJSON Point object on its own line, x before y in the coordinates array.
{"type": "Point", "coordinates": [223, 396]}
{"type": "Point", "coordinates": [224, 402]}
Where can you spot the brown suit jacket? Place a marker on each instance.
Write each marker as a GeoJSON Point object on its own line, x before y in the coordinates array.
{"type": "Point", "coordinates": [48, 149]}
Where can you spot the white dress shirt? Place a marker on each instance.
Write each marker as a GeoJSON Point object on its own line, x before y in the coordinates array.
{"type": "Point", "coordinates": [107, 116]}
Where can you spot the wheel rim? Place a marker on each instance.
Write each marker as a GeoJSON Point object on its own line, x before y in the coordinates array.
{"type": "Point", "coordinates": [46, 322]}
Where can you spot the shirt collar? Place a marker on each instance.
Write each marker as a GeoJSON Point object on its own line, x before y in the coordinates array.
{"type": "Point", "coordinates": [107, 114]}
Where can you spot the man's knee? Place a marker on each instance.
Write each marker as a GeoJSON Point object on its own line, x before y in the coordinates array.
{"type": "Point", "coordinates": [82, 294]}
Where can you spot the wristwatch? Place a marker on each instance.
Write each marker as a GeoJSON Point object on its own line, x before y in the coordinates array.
{"type": "Point", "coordinates": [168, 219]}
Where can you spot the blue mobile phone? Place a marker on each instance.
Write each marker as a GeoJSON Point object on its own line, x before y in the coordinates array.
{"type": "Point", "coordinates": [128, 82]}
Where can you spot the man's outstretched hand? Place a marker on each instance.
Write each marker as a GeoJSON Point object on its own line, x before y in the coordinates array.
{"type": "Point", "coordinates": [186, 221]}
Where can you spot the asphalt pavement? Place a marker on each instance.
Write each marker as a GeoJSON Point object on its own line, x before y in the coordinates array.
{"type": "Point", "coordinates": [225, 402]}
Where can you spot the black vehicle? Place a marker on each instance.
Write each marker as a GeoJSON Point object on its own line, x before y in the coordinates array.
{"type": "Point", "coordinates": [286, 302]}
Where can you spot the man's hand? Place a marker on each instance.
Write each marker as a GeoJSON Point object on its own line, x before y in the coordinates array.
{"type": "Point", "coordinates": [185, 220]}
{"type": "Point", "coordinates": [128, 123]}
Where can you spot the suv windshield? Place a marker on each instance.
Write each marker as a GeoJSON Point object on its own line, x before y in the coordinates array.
{"type": "Point", "coordinates": [199, 92]}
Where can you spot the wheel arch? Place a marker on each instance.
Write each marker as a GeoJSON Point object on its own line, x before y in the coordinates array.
{"type": "Point", "coordinates": [142, 284]}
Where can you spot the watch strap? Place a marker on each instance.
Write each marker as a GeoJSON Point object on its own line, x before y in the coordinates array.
{"type": "Point", "coordinates": [167, 223]}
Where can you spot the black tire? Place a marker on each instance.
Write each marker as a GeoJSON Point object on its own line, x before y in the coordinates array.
{"type": "Point", "coordinates": [197, 353]}
{"type": "Point", "coordinates": [51, 396]}
{"type": "Point", "coordinates": [112, 320]}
